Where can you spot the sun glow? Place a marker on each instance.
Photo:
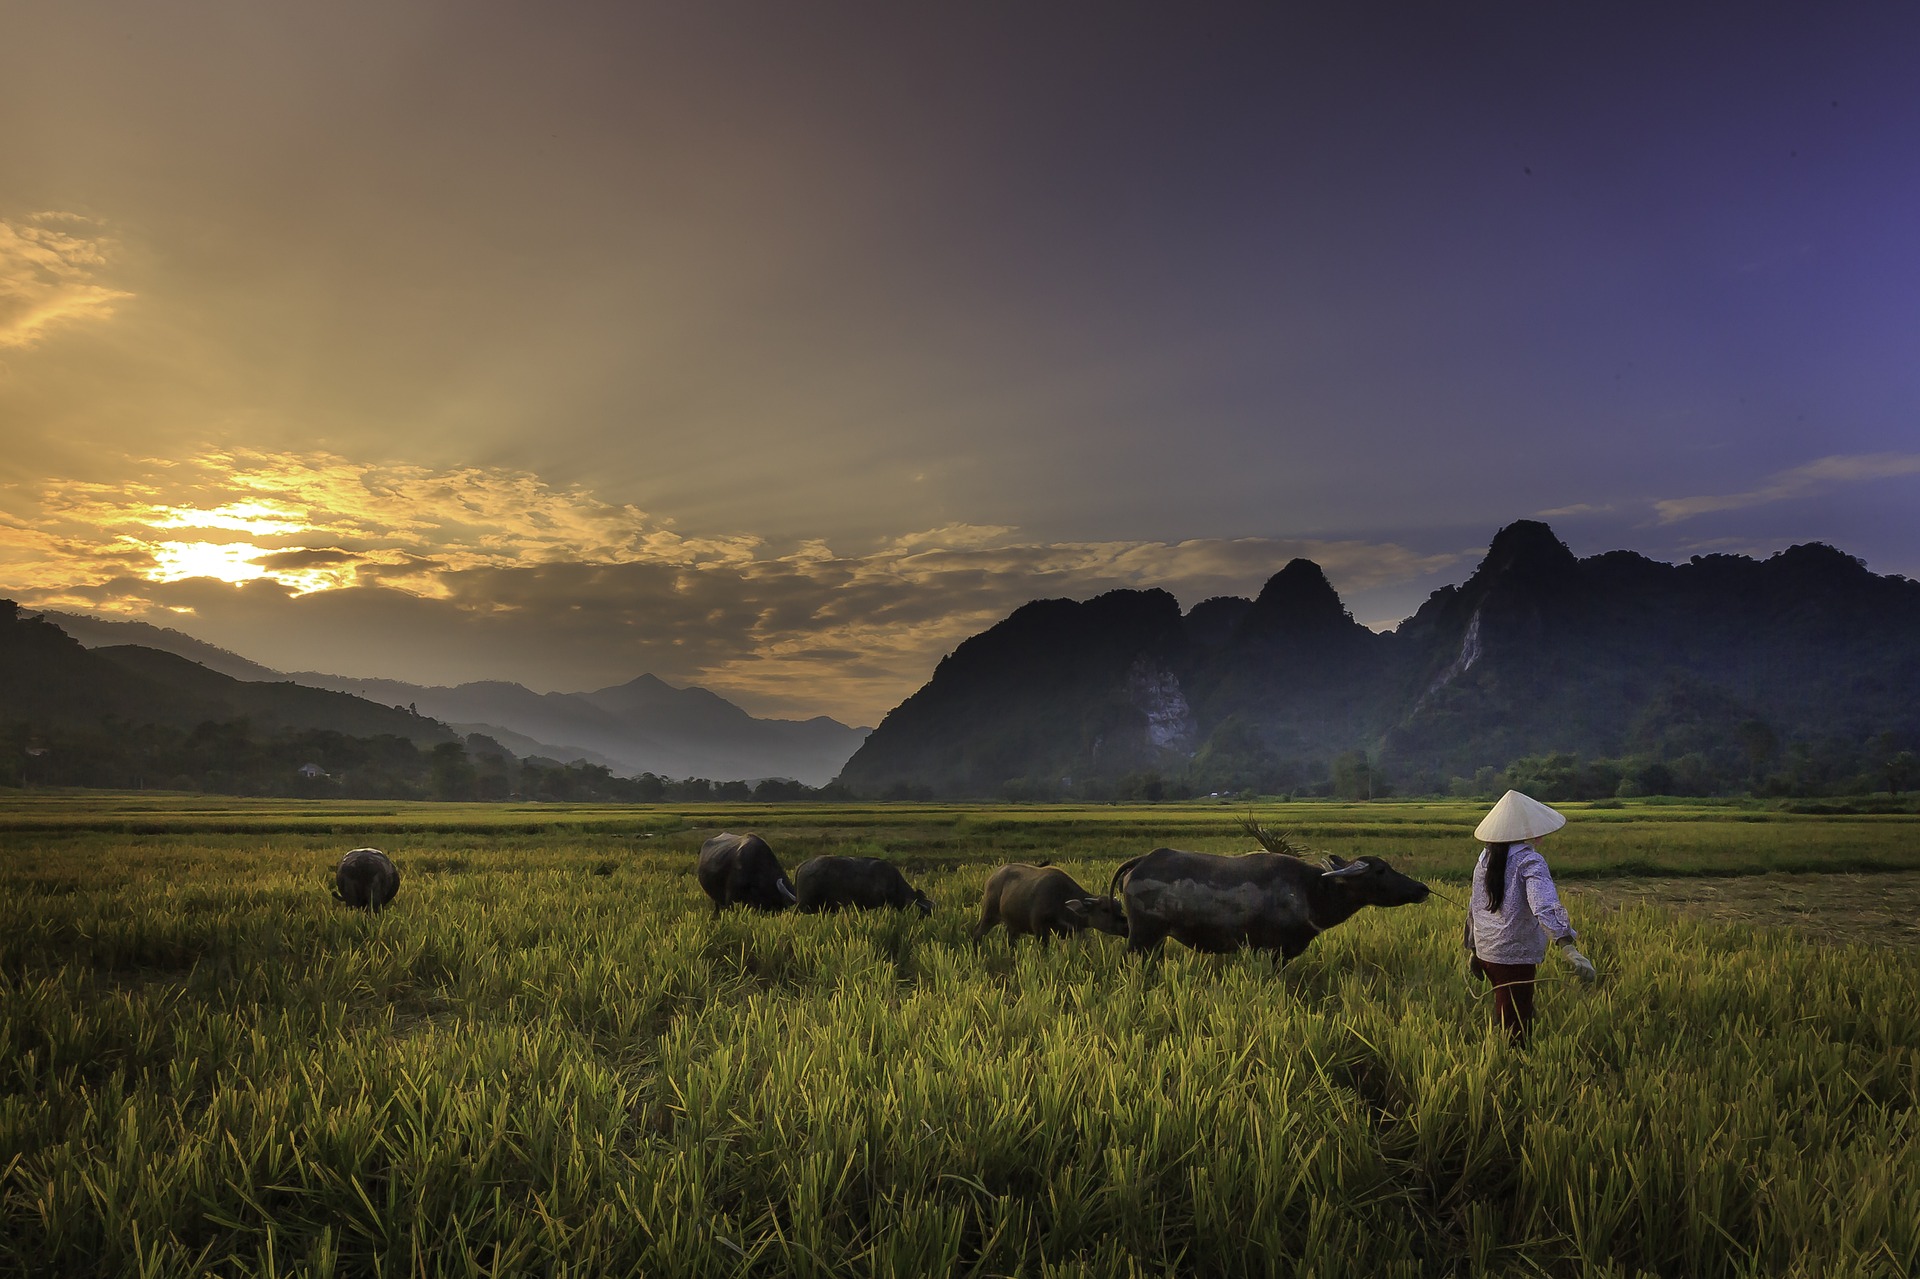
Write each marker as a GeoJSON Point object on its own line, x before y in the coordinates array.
{"type": "Point", "coordinates": [227, 561]}
{"type": "Point", "coordinates": [237, 562]}
{"type": "Point", "coordinates": [260, 518]}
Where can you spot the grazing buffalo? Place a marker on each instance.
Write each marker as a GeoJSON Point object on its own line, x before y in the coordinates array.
{"type": "Point", "coordinates": [862, 883]}
{"type": "Point", "coordinates": [741, 869]}
{"type": "Point", "coordinates": [366, 878]}
{"type": "Point", "coordinates": [1042, 901]}
{"type": "Point", "coordinates": [1267, 901]}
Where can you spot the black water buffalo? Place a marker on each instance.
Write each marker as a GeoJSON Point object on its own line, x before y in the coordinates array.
{"type": "Point", "coordinates": [1267, 901]}
{"type": "Point", "coordinates": [1043, 901]}
{"type": "Point", "coordinates": [859, 883]}
{"type": "Point", "coordinates": [741, 869]}
{"type": "Point", "coordinates": [366, 878]}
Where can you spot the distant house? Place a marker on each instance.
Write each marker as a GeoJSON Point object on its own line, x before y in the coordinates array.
{"type": "Point", "coordinates": [311, 771]}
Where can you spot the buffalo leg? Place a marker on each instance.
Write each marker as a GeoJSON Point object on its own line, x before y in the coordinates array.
{"type": "Point", "coordinates": [1145, 942]}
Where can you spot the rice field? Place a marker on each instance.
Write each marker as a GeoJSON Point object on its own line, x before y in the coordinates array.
{"type": "Point", "coordinates": [546, 1058]}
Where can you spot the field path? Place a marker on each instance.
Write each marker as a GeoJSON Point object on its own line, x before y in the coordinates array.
{"type": "Point", "coordinates": [1882, 910]}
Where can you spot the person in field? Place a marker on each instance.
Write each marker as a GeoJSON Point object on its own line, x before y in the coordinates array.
{"type": "Point", "coordinates": [1514, 909]}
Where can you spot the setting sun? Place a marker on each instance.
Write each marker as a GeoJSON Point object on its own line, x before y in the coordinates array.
{"type": "Point", "coordinates": [239, 562]}
{"type": "Point", "coordinates": [227, 561]}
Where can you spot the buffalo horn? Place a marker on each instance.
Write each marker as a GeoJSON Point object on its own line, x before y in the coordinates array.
{"type": "Point", "coordinates": [1351, 868]}
{"type": "Point", "coordinates": [785, 891]}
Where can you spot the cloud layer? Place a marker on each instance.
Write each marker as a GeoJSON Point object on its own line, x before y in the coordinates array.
{"type": "Point", "coordinates": [1809, 480]}
{"type": "Point", "coordinates": [314, 561]}
{"type": "Point", "coordinates": [48, 268]}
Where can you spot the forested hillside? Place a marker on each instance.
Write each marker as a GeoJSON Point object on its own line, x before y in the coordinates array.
{"type": "Point", "coordinates": [137, 717]}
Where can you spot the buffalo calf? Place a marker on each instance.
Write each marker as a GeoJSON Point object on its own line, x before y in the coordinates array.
{"type": "Point", "coordinates": [1043, 901]}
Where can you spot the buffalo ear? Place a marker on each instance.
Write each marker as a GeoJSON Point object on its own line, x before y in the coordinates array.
{"type": "Point", "coordinates": [1336, 861]}
{"type": "Point", "coordinates": [1081, 906]}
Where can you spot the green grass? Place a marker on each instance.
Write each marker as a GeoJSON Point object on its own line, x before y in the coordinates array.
{"type": "Point", "coordinates": [547, 1058]}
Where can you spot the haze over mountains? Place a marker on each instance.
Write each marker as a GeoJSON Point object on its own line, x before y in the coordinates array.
{"type": "Point", "coordinates": [1699, 675]}
{"type": "Point", "coordinates": [644, 725]}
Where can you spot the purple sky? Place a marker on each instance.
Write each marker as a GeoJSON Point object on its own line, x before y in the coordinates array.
{"type": "Point", "coordinates": [779, 347]}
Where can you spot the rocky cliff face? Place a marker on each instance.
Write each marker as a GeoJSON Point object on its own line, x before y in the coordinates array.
{"type": "Point", "coordinates": [1155, 692]}
{"type": "Point", "coordinates": [1537, 651]}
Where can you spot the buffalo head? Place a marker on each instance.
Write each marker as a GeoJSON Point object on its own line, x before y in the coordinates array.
{"type": "Point", "coordinates": [1374, 882]}
{"type": "Point", "coordinates": [1102, 913]}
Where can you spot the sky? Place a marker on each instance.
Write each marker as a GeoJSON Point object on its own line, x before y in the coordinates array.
{"type": "Point", "coordinates": [778, 348]}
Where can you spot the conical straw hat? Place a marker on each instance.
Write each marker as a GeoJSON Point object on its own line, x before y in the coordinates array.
{"type": "Point", "coordinates": [1517, 817]}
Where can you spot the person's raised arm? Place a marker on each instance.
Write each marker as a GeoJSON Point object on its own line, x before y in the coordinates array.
{"type": "Point", "coordinates": [1545, 901]}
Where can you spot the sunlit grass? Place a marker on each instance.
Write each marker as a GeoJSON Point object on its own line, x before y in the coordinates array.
{"type": "Point", "coordinates": [546, 1058]}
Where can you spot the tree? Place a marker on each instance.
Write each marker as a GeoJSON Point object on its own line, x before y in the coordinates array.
{"type": "Point", "coordinates": [453, 774]}
{"type": "Point", "coordinates": [1547, 777]}
{"type": "Point", "coordinates": [1352, 775]}
{"type": "Point", "coordinates": [778, 790]}
{"type": "Point", "coordinates": [1758, 743]}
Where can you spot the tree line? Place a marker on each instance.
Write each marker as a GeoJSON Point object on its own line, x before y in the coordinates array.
{"type": "Point", "coordinates": [231, 758]}
{"type": "Point", "coordinates": [1755, 764]}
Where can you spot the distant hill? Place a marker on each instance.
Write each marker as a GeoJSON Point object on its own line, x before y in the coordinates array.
{"type": "Point", "coordinates": [1721, 668]}
{"type": "Point", "coordinates": [95, 632]}
{"type": "Point", "coordinates": [524, 747]}
{"type": "Point", "coordinates": [644, 725]}
{"type": "Point", "coordinates": [48, 679]}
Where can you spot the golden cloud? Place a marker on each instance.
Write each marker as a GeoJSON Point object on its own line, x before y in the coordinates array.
{"type": "Point", "coordinates": [403, 524]}
{"type": "Point", "coordinates": [48, 262]}
{"type": "Point", "coordinates": [313, 561]}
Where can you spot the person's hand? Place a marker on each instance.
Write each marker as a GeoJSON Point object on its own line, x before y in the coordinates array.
{"type": "Point", "coordinates": [1581, 964]}
{"type": "Point", "coordinates": [1476, 969]}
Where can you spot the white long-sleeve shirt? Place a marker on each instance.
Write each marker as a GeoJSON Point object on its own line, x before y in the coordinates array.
{"type": "Point", "coordinates": [1529, 913]}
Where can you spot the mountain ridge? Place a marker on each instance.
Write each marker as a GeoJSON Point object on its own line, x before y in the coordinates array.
{"type": "Point", "coordinates": [49, 678]}
{"type": "Point", "coordinates": [1537, 653]}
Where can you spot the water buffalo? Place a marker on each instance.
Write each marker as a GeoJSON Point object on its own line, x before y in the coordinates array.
{"type": "Point", "coordinates": [742, 869]}
{"type": "Point", "coordinates": [863, 883]}
{"type": "Point", "coordinates": [366, 878]}
{"type": "Point", "coordinates": [1043, 901]}
{"type": "Point", "coordinates": [1267, 901]}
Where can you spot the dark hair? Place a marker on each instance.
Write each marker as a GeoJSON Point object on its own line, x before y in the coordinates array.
{"type": "Point", "coordinates": [1497, 876]}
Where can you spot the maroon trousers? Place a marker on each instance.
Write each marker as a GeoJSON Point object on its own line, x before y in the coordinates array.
{"type": "Point", "coordinates": [1512, 994]}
